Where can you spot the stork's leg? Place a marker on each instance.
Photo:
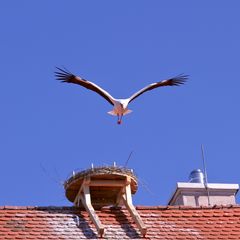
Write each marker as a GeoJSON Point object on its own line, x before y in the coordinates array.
{"type": "Point", "coordinates": [119, 119]}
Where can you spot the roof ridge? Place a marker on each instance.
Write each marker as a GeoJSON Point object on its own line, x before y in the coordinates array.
{"type": "Point", "coordinates": [138, 207]}
{"type": "Point", "coordinates": [38, 207]}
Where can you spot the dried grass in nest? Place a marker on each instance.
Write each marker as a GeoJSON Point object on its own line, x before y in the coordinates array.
{"type": "Point", "coordinates": [101, 171]}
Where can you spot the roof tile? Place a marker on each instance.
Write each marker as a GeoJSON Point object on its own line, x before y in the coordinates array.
{"type": "Point", "coordinates": [175, 222]}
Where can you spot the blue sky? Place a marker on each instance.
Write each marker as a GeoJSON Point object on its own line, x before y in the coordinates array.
{"type": "Point", "coordinates": [49, 129]}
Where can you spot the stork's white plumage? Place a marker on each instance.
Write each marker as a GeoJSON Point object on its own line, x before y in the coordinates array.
{"type": "Point", "coordinates": [120, 106]}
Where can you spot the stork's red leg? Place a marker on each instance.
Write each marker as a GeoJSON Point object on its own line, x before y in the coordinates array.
{"type": "Point", "coordinates": [119, 119]}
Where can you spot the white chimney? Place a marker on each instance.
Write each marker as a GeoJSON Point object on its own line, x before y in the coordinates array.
{"type": "Point", "coordinates": [197, 193]}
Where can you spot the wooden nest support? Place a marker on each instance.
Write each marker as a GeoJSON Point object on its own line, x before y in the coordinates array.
{"type": "Point", "coordinates": [104, 186]}
{"type": "Point", "coordinates": [105, 183]}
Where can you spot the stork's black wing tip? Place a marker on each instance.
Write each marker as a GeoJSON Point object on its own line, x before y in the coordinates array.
{"type": "Point", "coordinates": [64, 70]}
{"type": "Point", "coordinates": [63, 74]}
{"type": "Point", "coordinates": [182, 76]}
{"type": "Point", "coordinates": [179, 79]}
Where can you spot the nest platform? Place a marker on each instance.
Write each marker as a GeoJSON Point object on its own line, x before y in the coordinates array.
{"type": "Point", "coordinates": [101, 194]}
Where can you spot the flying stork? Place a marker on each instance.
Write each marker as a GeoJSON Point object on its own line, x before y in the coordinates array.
{"type": "Point", "coordinates": [120, 106]}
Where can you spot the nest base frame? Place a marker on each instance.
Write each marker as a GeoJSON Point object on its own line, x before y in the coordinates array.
{"type": "Point", "coordinates": [124, 196]}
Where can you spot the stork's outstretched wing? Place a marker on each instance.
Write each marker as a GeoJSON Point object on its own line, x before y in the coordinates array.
{"type": "Point", "coordinates": [66, 76]}
{"type": "Point", "coordinates": [176, 81]}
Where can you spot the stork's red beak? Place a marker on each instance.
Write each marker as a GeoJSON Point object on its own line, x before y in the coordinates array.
{"type": "Point", "coordinates": [119, 121]}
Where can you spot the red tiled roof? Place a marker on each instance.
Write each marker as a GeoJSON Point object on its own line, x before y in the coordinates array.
{"type": "Point", "coordinates": [218, 222]}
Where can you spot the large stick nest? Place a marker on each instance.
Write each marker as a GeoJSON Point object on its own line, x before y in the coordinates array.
{"type": "Point", "coordinates": [104, 170]}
